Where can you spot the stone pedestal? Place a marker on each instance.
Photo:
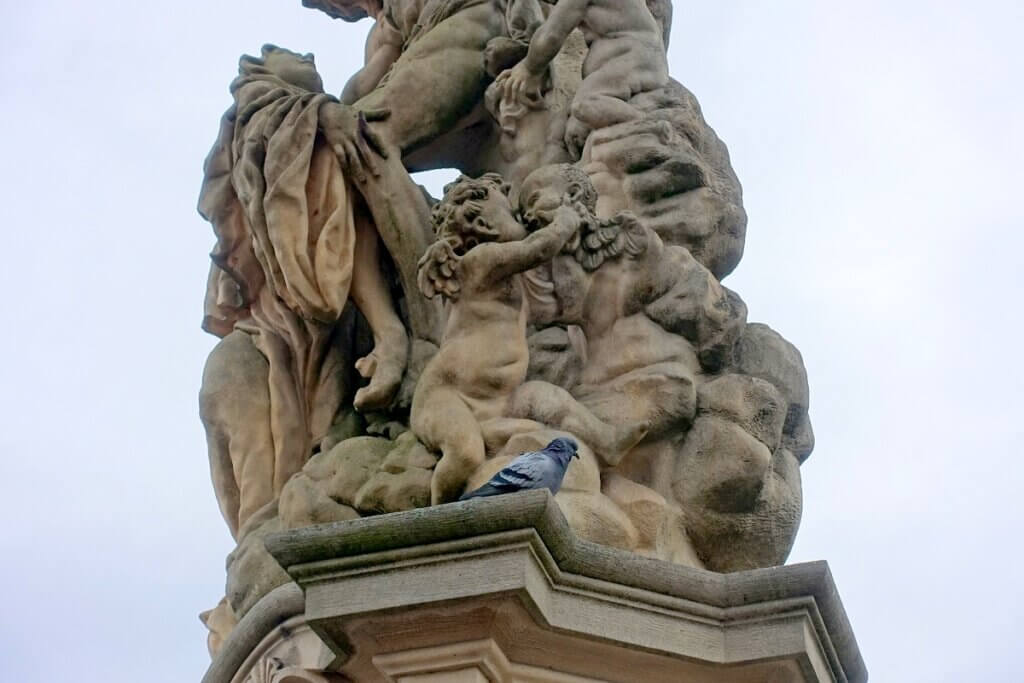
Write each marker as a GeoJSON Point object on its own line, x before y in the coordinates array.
{"type": "Point", "coordinates": [501, 590]}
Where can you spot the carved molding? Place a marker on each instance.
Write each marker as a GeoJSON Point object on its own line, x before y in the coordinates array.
{"type": "Point", "coordinates": [484, 656]}
{"type": "Point", "coordinates": [505, 567]}
{"type": "Point", "coordinates": [295, 675]}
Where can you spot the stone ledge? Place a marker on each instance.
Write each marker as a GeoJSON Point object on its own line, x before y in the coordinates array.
{"type": "Point", "coordinates": [519, 547]}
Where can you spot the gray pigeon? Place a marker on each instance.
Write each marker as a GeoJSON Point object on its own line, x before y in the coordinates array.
{"type": "Point", "coordinates": [541, 469]}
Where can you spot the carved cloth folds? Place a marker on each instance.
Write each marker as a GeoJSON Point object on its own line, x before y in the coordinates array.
{"type": "Point", "coordinates": [282, 265]}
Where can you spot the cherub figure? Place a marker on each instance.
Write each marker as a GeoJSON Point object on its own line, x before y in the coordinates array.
{"type": "Point", "coordinates": [627, 57]}
{"type": "Point", "coordinates": [652, 316]}
{"type": "Point", "coordinates": [476, 262]}
{"type": "Point", "coordinates": [474, 387]}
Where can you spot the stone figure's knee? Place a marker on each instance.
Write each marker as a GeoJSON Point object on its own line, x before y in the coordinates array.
{"type": "Point", "coordinates": [236, 374]}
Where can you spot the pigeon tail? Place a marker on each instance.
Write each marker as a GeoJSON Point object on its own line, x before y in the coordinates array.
{"type": "Point", "coordinates": [543, 469]}
{"type": "Point", "coordinates": [483, 491]}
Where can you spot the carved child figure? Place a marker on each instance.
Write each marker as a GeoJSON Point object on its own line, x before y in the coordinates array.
{"type": "Point", "coordinates": [653, 317]}
{"type": "Point", "coordinates": [627, 57]}
{"type": "Point", "coordinates": [476, 262]}
{"type": "Point", "coordinates": [473, 392]}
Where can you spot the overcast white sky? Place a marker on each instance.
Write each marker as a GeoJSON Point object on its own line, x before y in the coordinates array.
{"type": "Point", "coordinates": [879, 144]}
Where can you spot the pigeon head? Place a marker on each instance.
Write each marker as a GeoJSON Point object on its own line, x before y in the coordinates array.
{"type": "Point", "coordinates": [563, 447]}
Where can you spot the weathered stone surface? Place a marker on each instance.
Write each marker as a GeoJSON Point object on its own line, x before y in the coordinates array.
{"type": "Point", "coordinates": [350, 425]}
{"type": "Point", "coordinates": [646, 509]}
{"type": "Point", "coordinates": [251, 571]}
{"type": "Point", "coordinates": [389, 492]}
{"type": "Point", "coordinates": [234, 404]}
{"type": "Point", "coordinates": [674, 172]}
{"type": "Point", "coordinates": [305, 502]}
{"type": "Point", "coordinates": [348, 466]}
{"type": "Point", "coordinates": [662, 395]}
{"type": "Point", "coordinates": [701, 310]}
{"type": "Point", "coordinates": [763, 353]}
{"type": "Point", "coordinates": [509, 573]}
{"type": "Point", "coordinates": [220, 621]}
{"type": "Point", "coordinates": [753, 404]}
{"type": "Point", "coordinates": [721, 467]}
{"type": "Point", "coordinates": [594, 517]}
{"type": "Point", "coordinates": [408, 453]}
{"type": "Point", "coordinates": [760, 536]}
{"type": "Point", "coordinates": [359, 475]}
{"type": "Point", "coordinates": [798, 436]}
{"type": "Point", "coordinates": [554, 358]}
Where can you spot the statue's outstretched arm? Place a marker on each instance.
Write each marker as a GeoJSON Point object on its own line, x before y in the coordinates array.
{"type": "Point", "coordinates": [497, 261]}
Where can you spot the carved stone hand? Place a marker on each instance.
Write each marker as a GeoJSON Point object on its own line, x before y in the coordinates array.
{"type": "Point", "coordinates": [521, 84]}
{"type": "Point", "coordinates": [357, 145]}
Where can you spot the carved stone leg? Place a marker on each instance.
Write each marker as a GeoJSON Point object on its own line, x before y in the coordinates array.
{"type": "Point", "coordinates": [554, 406]}
{"type": "Point", "coordinates": [402, 218]}
{"type": "Point", "coordinates": [234, 404]}
{"type": "Point", "coordinates": [386, 363]}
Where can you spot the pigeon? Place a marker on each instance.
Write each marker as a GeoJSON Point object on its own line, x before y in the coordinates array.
{"type": "Point", "coordinates": [543, 469]}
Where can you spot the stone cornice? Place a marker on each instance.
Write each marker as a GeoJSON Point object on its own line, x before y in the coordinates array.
{"type": "Point", "coordinates": [531, 523]}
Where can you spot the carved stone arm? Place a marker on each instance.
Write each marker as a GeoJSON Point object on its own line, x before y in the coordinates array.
{"type": "Point", "coordinates": [500, 261]}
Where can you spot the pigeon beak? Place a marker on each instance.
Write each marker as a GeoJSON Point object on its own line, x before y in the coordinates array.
{"type": "Point", "coordinates": [576, 455]}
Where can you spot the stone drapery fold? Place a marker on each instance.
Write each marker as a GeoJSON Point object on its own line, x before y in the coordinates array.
{"type": "Point", "coordinates": [282, 212]}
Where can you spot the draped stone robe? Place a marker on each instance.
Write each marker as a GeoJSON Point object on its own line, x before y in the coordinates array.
{"type": "Point", "coordinates": [282, 213]}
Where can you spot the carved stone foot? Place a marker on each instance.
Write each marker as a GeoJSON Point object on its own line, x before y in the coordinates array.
{"type": "Point", "coordinates": [384, 367]}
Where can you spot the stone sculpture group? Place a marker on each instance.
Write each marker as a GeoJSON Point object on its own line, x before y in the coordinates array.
{"type": "Point", "coordinates": [383, 350]}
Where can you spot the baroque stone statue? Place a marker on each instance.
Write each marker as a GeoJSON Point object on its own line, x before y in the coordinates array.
{"type": "Point", "coordinates": [382, 350]}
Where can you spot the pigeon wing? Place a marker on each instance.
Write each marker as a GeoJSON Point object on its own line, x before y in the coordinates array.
{"type": "Point", "coordinates": [525, 472]}
{"type": "Point", "coordinates": [531, 470]}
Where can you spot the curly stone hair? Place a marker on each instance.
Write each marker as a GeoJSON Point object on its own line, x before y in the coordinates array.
{"type": "Point", "coordinates": [459, 227]}
{"type": "Point", "coordinates": [456, 218]}
{"type": "Point", "coordinates": [577, 177]}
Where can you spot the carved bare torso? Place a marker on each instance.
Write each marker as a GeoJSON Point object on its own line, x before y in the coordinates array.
{"type": "Point", "coordinates": [488, 336]}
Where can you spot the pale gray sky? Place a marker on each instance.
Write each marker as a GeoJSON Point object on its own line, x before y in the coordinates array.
{"type": "Point", "coordinates": [879, 147]}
